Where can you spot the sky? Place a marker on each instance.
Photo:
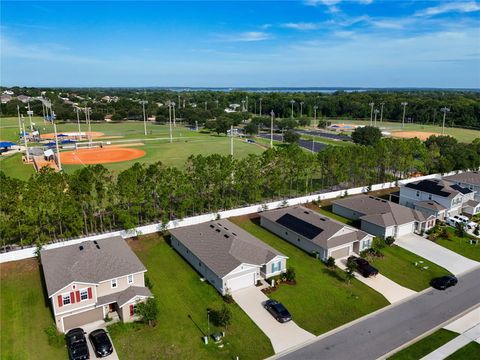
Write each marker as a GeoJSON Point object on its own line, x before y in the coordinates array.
{"type": "Point", "coordinates": [310, 43]}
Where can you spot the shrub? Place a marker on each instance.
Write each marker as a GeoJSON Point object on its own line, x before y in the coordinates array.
{"type": "Point", "coordinates": [378, 243]}
{"type": "Point", "coordinates": [148, 282]}
{"type": "Point", "coordinates": [389, 240]}
{"type": "Point", "coordinates": [460, 229]}
{"type": "Point", "coordinates": [476, 231]}
{"type": "Point", "coordinates": [148, 311]}
{"type": "Point", "coordinates": [330, 262]}
{"type": "Point", "coordinates": [55, 339]}
{"type": "Point", "coordinates": [290, 274]}
{"type": "Point", "coordinates": [222, 317]}
{"type": "Point", "coordinates": [228, 298]}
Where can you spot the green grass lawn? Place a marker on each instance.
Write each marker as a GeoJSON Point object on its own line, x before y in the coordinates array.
{"type": "Point", "coordinates": [13, 166]}
{"type": "Point", "coordinates": [180, 293]}
{"type": "Point", "coordinates": [399, 265]}
{"type": "Point", "coordinates": [425, 346]}
{"type": "Point", "coordinates": [321, 300]}
{"type": "Point", "coordinates": [25, 314]}
{"type": "Point", "coordinates": [468, 352]}
{"type": "Point", "coordinates": [460, 245]}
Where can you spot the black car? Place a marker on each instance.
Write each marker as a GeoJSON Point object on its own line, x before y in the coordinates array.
{"type": "Point", "coordinates": [77, 344]}
{"type": "Point", "coordinates": [278, 311]}
{"type": "Point", "coordinates": [101, 343]}
{"type": "Point", "coordinates": [444, 282]}
{"type": "Point", "coordinates": [363, 267]}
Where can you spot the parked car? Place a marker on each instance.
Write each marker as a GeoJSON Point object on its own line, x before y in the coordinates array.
{"type": "Point", "coordinates": [77, 344]}
{"type": "Point", "coordinates": [444, 282]}
{"type": "Point", "coordinates": [101, 343]}
{"type": "Point", "coordinates": [278, 311]}
{"type": "Point", "coordinates": [465, 220]}
{"type": "Point", "coordinates": [363, 267]}
{"type": "Point", "coordinates": [452, 221]}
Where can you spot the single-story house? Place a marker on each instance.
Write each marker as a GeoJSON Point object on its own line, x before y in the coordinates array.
{"type": "Point", "coordinates": [86, 282]}
{"type": "Point", "coordinates": [315, 233]}
{"type": "Point", "coordinates": [227, 256]}
{"type": "Point", "coordinates": [381, 217]}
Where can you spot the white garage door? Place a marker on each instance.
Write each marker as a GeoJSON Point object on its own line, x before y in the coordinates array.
{"type": "Point", "coordinates": [340, 253]}
{"type": "Point", "coordinates": [405, 229]}
{"type": "Point", "coordinates": [241, 282]}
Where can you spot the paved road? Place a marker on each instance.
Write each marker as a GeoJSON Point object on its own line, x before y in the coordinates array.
{"type": "Point", "coordinates": [387, 330]}
{"type": "Point", "coordinates": [307, 144]}
{"type": "Point", "coordinates": [325, 135]}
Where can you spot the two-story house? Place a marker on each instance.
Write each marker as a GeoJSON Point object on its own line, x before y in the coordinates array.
{"type": "Point", "coordinates": [438, 197]}
{"type": "Point", "coordinates": [89, 281]}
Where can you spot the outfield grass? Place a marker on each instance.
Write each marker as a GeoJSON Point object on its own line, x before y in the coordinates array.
{"type": "Point", "coordinates": [25, 314]}
{"type": "Point", "coordinates": [463, 135]}
{"type": "Point", "coordinates": [180, 293]}
{"type": "Point", "coordinates": [460, 245]}
{"type": "Point", "coordinates": [13, 166]}
{"type": "Point", "coordinates": [321, 300]}
{"type": "Point", "coordinates": [468, 352]}
{"type": "Point", "coordinates": [425, 346]}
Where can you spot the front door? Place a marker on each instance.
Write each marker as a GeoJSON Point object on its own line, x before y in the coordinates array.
{"type": "Point", "coordinates": [111, 308]}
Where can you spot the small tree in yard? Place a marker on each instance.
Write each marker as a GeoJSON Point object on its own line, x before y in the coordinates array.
{"type": "Point", "coordinates": [330, 262]}
{"type": "Point", "coordinates": [350, 270]}
{"type": "Point", "coordinates": [148, 311]}
{"type": "Point", "coordinates": [389, 240]}
{"type": "Point", "coordinates": [460, 229]}
{"type": "Point", "coordinates": [477, 230]}
{"type": "Point", "coordinates": [290, 274]}
{"type": "Point", "coordinates": [222, 317]}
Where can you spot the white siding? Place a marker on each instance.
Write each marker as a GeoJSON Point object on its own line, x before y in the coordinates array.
{"type": "Point", "coordinates": [405, 229]}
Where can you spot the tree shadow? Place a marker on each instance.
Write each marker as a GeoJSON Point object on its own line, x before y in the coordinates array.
{"type": "Point", "coordinates": [333, 274]}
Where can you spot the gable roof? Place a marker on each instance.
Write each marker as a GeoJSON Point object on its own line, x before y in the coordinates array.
{"type": "Point", "coordinates": [430, 204]}
{"type": "Point", "coordinates": [223, 246]}
{"type": "Point", "coordinates": [88, 262]}
{"type": "Point", "coordinates": [437, 187]}
{"type": "Point", "coordinates": [471, 178]}
{"type": "Point", "coordinates": [319, 229]}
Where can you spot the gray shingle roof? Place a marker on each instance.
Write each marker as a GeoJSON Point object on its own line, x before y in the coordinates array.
{"type": "Point", "coordinates": [437, 187]}
{"type": "Point", "coordinates": [430, 204]}
{"type": "Point", "coordinates": [471, 178]}
{"type": "Point", "coordinates": [333, 233]}
{"type": "Point", "coordinates": [379, 211]}
{"type": "Point", "coordinates": [122, 297]}
{"type": "Point", "coordinates": [222, 246]}
{"type": "Point", "coordinates": [471, 203]}
{"type": "Point", "coordinates": [64, 265]}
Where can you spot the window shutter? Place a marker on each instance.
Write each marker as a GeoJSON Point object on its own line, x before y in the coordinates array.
{"type": "Point", "coordinates": [89, 293]}
{"type": "Point", "coordinates": [60, 301]}
{"type": "Point", "coordinates": [72, 297]}
{"type": "Point", "coordinates": [131, 310]}
{"type": "Point", "coordinates": [77, 294]}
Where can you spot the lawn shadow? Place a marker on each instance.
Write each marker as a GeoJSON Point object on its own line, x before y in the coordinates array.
{"type": "Point", "coordinates": [334, 274]}
{"type": "Point", "coordinates": [197, 326]}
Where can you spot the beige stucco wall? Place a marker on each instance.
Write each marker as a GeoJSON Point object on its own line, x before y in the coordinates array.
{"type": "Point", "coordinates": [73, 288]}
{"type": "Point", "coordinates": [104, 288]}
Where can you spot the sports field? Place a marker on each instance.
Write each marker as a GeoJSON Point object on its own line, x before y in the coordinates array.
{"type": "Point", "coordinates": [130, 137]}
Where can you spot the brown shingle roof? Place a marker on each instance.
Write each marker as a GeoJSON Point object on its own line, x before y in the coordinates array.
{"type": "Point", "coordinates": [122, 297]}
{"type": "Point", "coordinates": [222, 246]}
{"type": "Point", "coordinates": [471, 178]}
{"type": "Point", "coordinates": [88, 262]}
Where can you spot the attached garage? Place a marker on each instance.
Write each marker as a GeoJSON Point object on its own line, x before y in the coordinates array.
{"type": "Point", "coordinates": [86, 317]}
{"type": "Point", "coordinates": [340, 253]}
{"type": "Point", "coordinates": [241, 282]}
{"type": "Point", "coordinates": [405, 229]}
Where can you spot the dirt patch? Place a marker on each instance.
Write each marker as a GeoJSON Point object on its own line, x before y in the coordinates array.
{"type": "Point", "coordinates": [13, 268]}
{"type": "Point", "coordinates": [414, 134]}
{"type": "Point", "coordinates": [100, 155]}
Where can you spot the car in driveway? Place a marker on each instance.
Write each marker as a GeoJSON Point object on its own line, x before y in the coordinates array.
{"type": "Point", "coordinates": [444, 282]}
{"type": "Point", "coordinates": [363, 266]}
{"type": "Point", "coordinates": [77, 344]}
{"type": "Point", "coordinates": [278, 311]}
{"type": "Point", "coordinates": [102, 346]}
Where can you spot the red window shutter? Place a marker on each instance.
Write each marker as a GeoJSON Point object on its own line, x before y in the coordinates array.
{"type": "Point", "coordinates": [60, 301]}
{"type": "Point", "coordinates": [131, 310]}
{"type": "Point", "coordinates": [72, 297]}
{"type": "Point", "coordinates": [89, 293]}
{"type": "Point", "coordinates": [77, 295]}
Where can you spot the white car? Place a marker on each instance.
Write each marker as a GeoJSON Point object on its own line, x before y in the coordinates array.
{"type": "Point", "coordinates": [466, 221]}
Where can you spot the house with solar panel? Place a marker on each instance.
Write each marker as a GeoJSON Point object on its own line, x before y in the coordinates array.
{"type": "Point", "coordinates": [316, 233]}
{"type": "Point", "coordinates": [439, 197]}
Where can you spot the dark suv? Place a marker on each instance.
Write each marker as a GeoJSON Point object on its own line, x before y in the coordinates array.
{"type": "Point", "coordinates": [278, 311]}
{"type": "Point", "coordinates": [363, 267]}
{"type": "Point", "coordinates": [101, 343]}
{"type": "Point", "coordinates": [444, 282]}
{"type": "Point", "coordinates": [77, 344]}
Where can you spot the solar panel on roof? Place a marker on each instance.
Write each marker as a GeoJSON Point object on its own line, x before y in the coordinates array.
{"type": "Point", "coordinates": [299, 226]}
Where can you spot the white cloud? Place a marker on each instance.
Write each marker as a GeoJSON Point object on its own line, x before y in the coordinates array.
{"type": "Point", "coordinates": [301, 26]}
{"type": "Point", "coordinates": [365, 2]}
{"type": "Point", "coordinates": [462, 7]}
{"type": "Point", "coordinates": [247, 36]}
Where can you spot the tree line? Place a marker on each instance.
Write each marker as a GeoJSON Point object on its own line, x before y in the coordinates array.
{"type": "Point", "coordinates": [51, 205]}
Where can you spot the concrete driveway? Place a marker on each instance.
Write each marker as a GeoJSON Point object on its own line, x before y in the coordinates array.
{"type": "Point", "coordinates": [94, 326]}
{"type": "Point", "coordinates": [453, 262]}
{"type": "Point", "coordinates": [282, 336]}
{"type": "Point", "coordinates": [392, 291]}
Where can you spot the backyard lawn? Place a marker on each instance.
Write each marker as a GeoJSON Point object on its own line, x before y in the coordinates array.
{"type": "Point", "coordinates": [425, 346]}
{"type": "Point", "coordinates": [460, 245]}
{"type": "Point", "coordinates": [25, 314]}
{"type": "Point", "coordinates": [181, 294]}
{"type": "Point", "coordinates": [321, 300]}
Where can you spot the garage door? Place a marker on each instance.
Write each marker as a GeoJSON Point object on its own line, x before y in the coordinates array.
{"type": "Point", "coordinates": [241, 282]}
{"type": "Point", "coordinates": [405, 229]}
{"type": "Point", "coordinates": [73, 321]}
{"type": "Point", "coordinates": [340, 253]}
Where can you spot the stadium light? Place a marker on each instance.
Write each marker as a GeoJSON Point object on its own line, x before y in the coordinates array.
{"type": "Point", "coordinates": [292, 102]}
{"type": "Point", "coordinates": [231, 140]}
{"type": "Point", "coordinates": [381, 111]}
{"type": "Point", "coordinates": [30, 113]}
{"type": "Point", "coordinates": [78, 122]}
{"type": "Point", "coordinates": [301, 108]}
{"type": "Point", "coordinates": [444, 110]}
{"type": "Point", "coordinates": [372, 104]}
{"type": "Point", "coordinates": [56, 145]}
{"type": "Point", "coordinates": [404, 104]}
{"type": "Point", "coordinates": [25, 139]}
{"type": "Point", "coordinates": [376, 111]}
{"type": "Point", "coordinates": [272, 114]}
{"type": "Point", "coordinates": [19, 121]}
{"type": "Point", "coordinates": [143, 102]}
{"type": "Point", "coordinates": [243, 105]}
{"type": "Point", "coordinates": [170, 120]}
{"type": "Point", "coordinates": [260, 111]}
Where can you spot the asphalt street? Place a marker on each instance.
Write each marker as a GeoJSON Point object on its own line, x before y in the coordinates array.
{"type": "Point", "coordinates": [307, 144]}
{"type": "Point", "coordinates": [393, 327]}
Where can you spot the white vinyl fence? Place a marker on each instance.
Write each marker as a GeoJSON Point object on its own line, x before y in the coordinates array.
{"type": "Point", "coordinates": [153, 228]}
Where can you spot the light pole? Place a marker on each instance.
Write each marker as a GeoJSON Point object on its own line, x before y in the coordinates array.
{"type": "Point", "coordinates": [19, 122]}
{"type": "Point", "coordinates": [301, 108]}
{"type": "Point", "coordinates": [371, 112]}
{"type": "Point", "coordinates": [376, 111]}
{"type": "Point", "coordinates": [444, 110]}
{"type": "Point", "coordinates": [170, 120]}
{"type": "Point", "coordinates": [313, 144]}
{"type": "Point", "coordinates": [315, 107]}
{"type": "Point", "coordinates": [174, 116]}
{"type": "Point", "coordinates": [205, 106]}
{"type": "Point", "coordinates": [381, 111]}
{"type": "Point", "coordinates": [246, 102]}
{"type": "Point", "coordinates": [78, 122]}
{"type": "Point", "coordinates": [243, 105]}
{"type": "Point", "coordinates": [260, 112]}
{"type": "Point", "coordinates": [58, 149]}
{"type": "Point", "coordinates": [292, 102]}
{"type": "Point", "coordinates": [25, 139]}
{"type": "Point", "coordinates": [272, 114]}
{"type": "Point", "coordinates": [231, 140]}
{"type": "Point", "coordinates": [404, 104]}
{"type": "Point", "coordinates": [216, 102]}
{"type": "Point", "coordinates": [143, 102]}
{"type": "Point", "coordinates": [30, 113]}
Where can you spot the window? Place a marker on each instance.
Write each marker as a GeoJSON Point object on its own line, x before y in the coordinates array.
{"type": "Point", "coordinates": [429, 196]}
{"type": "Point", "coordinates": [83, 294]}
{"type": "Point", "coordinates": [130, 279]}
{"type": "Point", "coordinates": [113, 283]}
{"type": "Point", "coordinates": [366, 244]}
{"type": "Point", "coordinates": [66, 299]}
{"type": "Point", "coordinates": [279, 266]}
{"type": "Point", "coordinates": [418, 193]}
{"type": "Point", "coordinates": [273, 267]}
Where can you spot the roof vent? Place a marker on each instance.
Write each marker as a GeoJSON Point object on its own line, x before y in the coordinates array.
{"type": "Point", "coordinates": [226, 236]}
{"type": "Point", "coordinates": [323, 219]}
{"type": "Point", "coordinates": [217, 230]}
{"type": "Point", "coordinates": [80, 247]}
{"type": "Point", "coordinates": [234, 234]}
{"type": "Point", "coordinates": [306, 212]}
{"type": "Point", "coordinates": [211, 225]}
{"type": "Point", "coordinates": [95, 242]}
{"type": "Point", "coordinates": [98, 246]}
